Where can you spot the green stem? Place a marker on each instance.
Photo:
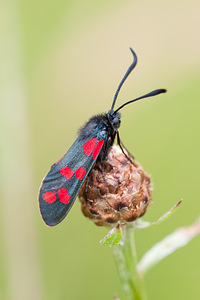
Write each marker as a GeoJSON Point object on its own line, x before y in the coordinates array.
{"type": "Point", "coordinates": [126, 260]}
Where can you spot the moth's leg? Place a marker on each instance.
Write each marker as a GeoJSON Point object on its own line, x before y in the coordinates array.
{"type": "Point", "coordinates": [120, 145]}
{"type": "Point", "coordinates": [86, 188]}
{"type": "Point", "coordinates": [126, 149]}
{"type": "Point", "coordinates": [103, 174]}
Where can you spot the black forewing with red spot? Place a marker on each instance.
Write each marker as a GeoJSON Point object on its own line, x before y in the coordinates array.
{"type": "Point", "coordinates": [65, 178]}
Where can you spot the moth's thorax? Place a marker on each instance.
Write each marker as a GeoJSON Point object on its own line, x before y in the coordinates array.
{"type": "Point", "coordinates": [108, 122]}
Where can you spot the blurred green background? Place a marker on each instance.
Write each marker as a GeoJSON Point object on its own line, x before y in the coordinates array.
{"type": "Point", "coordinates": [60, 63]}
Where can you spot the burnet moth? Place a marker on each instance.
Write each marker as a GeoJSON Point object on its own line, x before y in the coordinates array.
{"type": "Point", "coordinates": [61, 185]}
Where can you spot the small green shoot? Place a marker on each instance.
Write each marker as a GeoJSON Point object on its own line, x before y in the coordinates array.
{"type": "Point", "coordinates": [113, 237]}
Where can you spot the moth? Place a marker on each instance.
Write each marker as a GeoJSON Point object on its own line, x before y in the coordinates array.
{"type": "Point", "coordinates": [62, 183]}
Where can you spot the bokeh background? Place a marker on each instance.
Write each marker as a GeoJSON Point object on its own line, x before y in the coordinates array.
{"type": "Point", "coordinates": [60, 63]}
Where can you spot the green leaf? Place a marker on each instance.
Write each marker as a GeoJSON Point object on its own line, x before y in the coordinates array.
{"type": "Point", "coordinates": [140, 224]}
{"type": "Point", "coordinates": [167, 246]}
{"type": "Point", "coordinates": [113, 238]}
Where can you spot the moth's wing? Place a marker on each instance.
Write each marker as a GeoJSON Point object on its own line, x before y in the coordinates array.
{"type": "Point", "coordinates": [61, 185]}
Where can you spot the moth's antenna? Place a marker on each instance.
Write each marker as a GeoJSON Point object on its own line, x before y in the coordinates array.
{"type": "Point", "coordinates": [132, 66]}
{"type": "Point", "coordinates": [154, 93]}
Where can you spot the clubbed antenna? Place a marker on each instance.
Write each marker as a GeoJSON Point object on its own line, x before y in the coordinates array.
{"type": "Point", "coordinates": [132, 66]}
{"type": "Point", "coordinates": [154, 93]}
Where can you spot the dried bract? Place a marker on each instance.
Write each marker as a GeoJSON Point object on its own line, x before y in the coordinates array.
{"type": "Point", "coordinates": [126, 195]}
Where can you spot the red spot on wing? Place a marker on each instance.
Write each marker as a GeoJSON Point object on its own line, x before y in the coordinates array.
{"type": "Point", "coordinates": [88, 147]}
{"type": "Point", "coordinates": [67, 172]}
{"type": "Point", "coordinates": [49, 197]}
{"type": "Point", "coordinates": [80, 173]}
{"type": "Point", "coordinates": [64, 196]}
{"type": "Point", "coordinates": [97, 148]}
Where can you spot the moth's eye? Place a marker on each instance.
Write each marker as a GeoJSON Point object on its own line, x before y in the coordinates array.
{"type": "Point", "coordinates": [116, 122]}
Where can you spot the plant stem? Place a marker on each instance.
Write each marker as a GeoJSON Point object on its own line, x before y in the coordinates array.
{"type": "Point", "coordinates": [126, 260]}
{"type": "Point", "coordinates": [18, 208]}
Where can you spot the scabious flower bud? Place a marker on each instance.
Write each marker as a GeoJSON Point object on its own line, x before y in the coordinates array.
{"type": "Point", "coordinates": [126, 195]}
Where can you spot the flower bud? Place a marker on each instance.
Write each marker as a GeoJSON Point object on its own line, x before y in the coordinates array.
{"type": "Point", "coordinates": [116, 190]}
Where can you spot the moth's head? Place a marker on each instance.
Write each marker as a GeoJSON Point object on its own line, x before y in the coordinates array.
{"type": "Point", "coordinates": [114, 118]}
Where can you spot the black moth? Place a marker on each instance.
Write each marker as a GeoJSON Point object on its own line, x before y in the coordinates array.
{"type": "Point", "coordinates": [61, 185]}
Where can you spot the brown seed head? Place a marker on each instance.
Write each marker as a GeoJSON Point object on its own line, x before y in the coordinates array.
{"type": "Point", "coordinates": [125, 197]}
